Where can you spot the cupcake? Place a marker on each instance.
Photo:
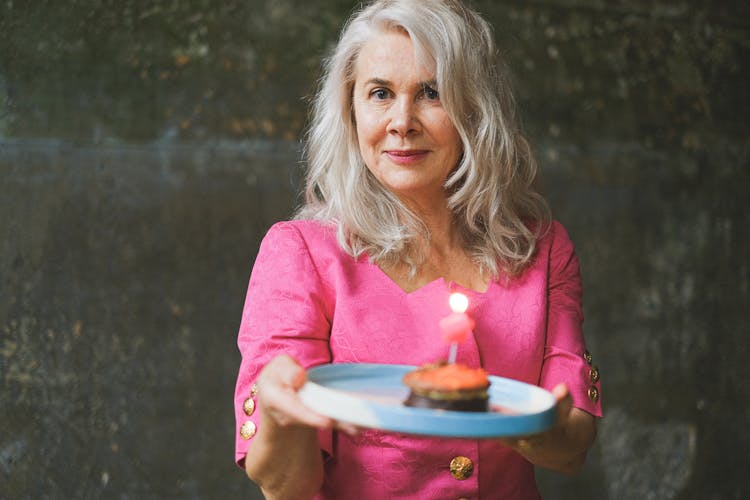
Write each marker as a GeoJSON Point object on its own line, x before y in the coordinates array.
{"type": "Point", "coordinates": [446, 386]}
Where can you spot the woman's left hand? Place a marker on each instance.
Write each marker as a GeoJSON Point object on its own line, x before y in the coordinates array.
{"type": "Point", "coordinates": [563, 448]}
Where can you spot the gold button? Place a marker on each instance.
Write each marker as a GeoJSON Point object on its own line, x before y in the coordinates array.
{"type": "Point", "coordinates": [594, 374]}
{"type": "Point", "coordinates": [587, 356]}
{"type": "Point", "coordinates": [248, 406]}
{"type": "Point", "coordinates": [593, 394]}
{"type": "Point", "coordinates": [247, 430]}
{"type": "Point", "coordinates": [253, 390]}
{"type": "Point", "coordinates": [461, 467]}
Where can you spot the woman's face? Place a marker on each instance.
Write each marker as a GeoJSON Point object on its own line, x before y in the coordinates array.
{"type": "Point", "coordinates": [405, 136]}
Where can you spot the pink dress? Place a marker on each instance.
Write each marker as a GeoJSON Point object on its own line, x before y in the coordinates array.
{"type": "Point", "coordinates": [309, 299]}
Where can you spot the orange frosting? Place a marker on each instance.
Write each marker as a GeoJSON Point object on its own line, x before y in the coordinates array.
{"type": "Point", "coordinates": [447, 377]}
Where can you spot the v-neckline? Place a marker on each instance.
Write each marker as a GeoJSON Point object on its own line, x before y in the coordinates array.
{"type": "Point", "coordinates": [451, 286]}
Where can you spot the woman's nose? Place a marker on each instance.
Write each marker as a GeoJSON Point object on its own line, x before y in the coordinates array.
{"type": "Point", "coordinates": [403, 120]}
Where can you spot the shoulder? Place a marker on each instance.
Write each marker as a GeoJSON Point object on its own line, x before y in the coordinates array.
{"type": "Point", "coordinates": [555, 240]}
{"type": "Point", "coordinates": [304, 240]}
{"type": "Point", "coordinates": [306, 251]}
{"type": "Point", "coordinates": [554, 254]}
{"type": "Point", "coordinates": [310, 233]}
{"type": "Point", "coordinates": [559, 256]}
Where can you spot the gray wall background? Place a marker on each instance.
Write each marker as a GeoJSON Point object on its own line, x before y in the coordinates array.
{"type": "Point", "coordinates": [145, 147]}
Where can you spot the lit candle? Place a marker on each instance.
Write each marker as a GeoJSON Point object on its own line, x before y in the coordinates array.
{"type": "Point", "coordinates": [456, 326]}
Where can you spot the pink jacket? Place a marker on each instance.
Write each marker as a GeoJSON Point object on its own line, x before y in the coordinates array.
{"type": "Point", "coordinates": [309, 299]}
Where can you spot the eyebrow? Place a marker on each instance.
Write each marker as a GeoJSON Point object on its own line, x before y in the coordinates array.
{"type": "Point", "coordinates": [379, 81]}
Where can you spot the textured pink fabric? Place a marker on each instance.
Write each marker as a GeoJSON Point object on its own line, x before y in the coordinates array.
{"type": "Point", "coordinates": [307, 298]}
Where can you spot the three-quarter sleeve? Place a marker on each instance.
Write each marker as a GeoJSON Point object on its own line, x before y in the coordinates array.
{"type": "Point", "coordinates": [288, 310]}
{"type": "Point", "coordinates": [566, 359]}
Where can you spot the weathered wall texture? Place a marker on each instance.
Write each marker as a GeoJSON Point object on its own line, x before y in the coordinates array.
{"type": "Point", "coordinates": [146, 147]}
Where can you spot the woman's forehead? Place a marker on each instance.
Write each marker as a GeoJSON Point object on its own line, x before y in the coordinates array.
{"type": "Point", "coordinates": [391, 55]}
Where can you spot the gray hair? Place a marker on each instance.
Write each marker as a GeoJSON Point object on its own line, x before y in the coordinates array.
{"type": "Point", "coordinates": [491, 191]}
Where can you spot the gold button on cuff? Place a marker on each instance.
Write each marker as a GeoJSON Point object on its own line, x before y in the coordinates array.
{"type": "Point", "coordinates": [593, 394]}
{"type": "Point", "coordinates": [594, 374]}
{"type": "Point", "coordinates": [253, 390]}
{"type": "Point", "coordinates": [461, 467]}
{"type": "Point", "coordinates": [248, 430]}
{"type": "Point", "coordinates": [587, 356]}
{"type": "Point", "coordinates": [248, 406]}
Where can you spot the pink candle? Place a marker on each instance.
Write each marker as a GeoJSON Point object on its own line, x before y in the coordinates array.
{"type": "Point", "coordinates": [456, 326]}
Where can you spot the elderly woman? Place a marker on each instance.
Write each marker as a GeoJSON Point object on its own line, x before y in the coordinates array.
{"type": "Point", "coordinates": [419, 183]}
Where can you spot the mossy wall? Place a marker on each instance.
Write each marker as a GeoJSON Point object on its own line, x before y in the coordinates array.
{"type": "Point", "coordinates": [145, 147]}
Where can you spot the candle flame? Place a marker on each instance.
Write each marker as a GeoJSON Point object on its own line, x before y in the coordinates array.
{"type": "Point", "coordinates": [458, 302]}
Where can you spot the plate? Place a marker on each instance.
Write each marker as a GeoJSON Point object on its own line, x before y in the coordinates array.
{"type": "Point", "coordinates": [371, 395]}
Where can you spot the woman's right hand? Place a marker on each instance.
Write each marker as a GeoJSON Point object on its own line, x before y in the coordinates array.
{"type": "Point", "coordinates": [279, 402]}
{"type": "Point", "coordinates": [286, 445]}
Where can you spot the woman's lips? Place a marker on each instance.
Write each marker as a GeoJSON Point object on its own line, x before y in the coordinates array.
{"type": "Point", "coordinates": [405, 156]}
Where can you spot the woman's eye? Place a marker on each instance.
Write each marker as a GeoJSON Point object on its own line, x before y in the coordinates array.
{"type": "Point", "coordinates": [379, 94]}
{"type": "Point", "coordinates": [431, 93]}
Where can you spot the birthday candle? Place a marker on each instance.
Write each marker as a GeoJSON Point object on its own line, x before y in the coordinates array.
{"type": "Point", "coordinates": [456, 326]}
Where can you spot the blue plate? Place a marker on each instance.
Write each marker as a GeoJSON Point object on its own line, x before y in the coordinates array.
{"type": "Point", "coordinates": [372, 395]}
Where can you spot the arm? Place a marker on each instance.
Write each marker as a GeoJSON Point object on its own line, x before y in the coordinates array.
{"type": "Point", "coordinates": [285, 328]}
{"type": "Point", "coordinates": [563, 448]}
{"type": "Point", "coordinates": [284, 459]}
{"type": "Point", "coordinates": [566, 369]}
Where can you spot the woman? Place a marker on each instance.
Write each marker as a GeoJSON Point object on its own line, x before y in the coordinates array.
{"type": "Point", "coordinates": [419, 183]}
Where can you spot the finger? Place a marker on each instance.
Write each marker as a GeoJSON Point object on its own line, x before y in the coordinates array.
{"type": "Point", "coordinates": [346, 427]}
{"type": "Point", "coordinates": [299, 379]}
{"type": "Point", "coordinates": [564, 401]}
{"type": "Point", "coordinates": [560, 391]}
{"type": "Point", "coordinates": [286, 408]}
{"type": "Point", "coordinates": [278, 384]}
{"type": "Point", "coordinates": [285, 370]}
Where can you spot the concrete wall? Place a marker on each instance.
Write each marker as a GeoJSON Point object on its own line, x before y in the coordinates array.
{"type": "Point", "coordinates": [145, 149]}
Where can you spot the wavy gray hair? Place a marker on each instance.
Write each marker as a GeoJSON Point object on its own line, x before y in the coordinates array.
{"type": "Point", "coordinates": [491, 191]}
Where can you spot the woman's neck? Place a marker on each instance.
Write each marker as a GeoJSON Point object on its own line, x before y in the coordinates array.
{"type": "Point", "coordinates": [443, 256]}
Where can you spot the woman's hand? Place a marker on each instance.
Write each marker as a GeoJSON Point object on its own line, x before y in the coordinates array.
{"type": "Point", "coordinates": [278, 384]}
{"type": "Point", "coordinates": [279, 403]}
{"type": "Point", "coordinates": [284, 458]}
{"type": "Point", "coordinates": [563, 448]}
